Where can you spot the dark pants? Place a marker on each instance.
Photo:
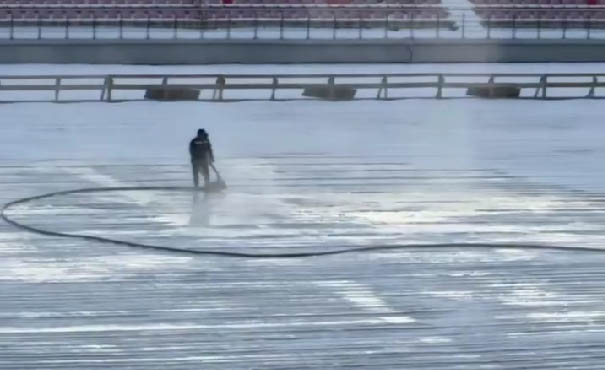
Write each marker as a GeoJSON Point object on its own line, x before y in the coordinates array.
{"type": "Point", "coordinates": [203, 167]}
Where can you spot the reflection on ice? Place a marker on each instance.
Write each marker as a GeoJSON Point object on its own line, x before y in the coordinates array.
{"type": "Point", "coordinates": [200, 210]}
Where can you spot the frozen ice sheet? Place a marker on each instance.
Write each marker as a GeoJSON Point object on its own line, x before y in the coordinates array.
{"type": "Point", "coordinates": [409, 170]}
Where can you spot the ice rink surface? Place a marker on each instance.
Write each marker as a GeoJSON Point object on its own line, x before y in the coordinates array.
{"type": "Point", "coordinates": [306, 176]}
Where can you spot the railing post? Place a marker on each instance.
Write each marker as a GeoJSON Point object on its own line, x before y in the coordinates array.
{"type": "Point", "coordinates": [222, 87]}
{"type": "Point", "coordinates": [255, 36]}
{"type": "Point", "coordinates": [489, 27]}
{"type": "Point", "coordinates": [439, 86]}
{"type": "Point", "coordinates": [121, 25]}
{"type": "Point", "coordinates": [360, 27]}
{"type": "Point", "coordinates": [564, 27]}
{"type": "Point", "coordinates": [202, 26]}
{"type": "Point", "coordinates": [39, 23]}
{"type": "Point", "coordinates": [308, 26]}
{"type": "Point", "coordinates": [490, 82]}
{"type": "Point", "coordinates": [437, 31]}
{"type": "Point", "coordinates": [109, 87]}
{"type": "Point", "coordinates": [331, 87]}
{"type": "Point", "coordinates": [274, 87]}
{"type": "Point", "coordinates": [333, 26]}
{"type": "Point", "coordinates": [219, 87]}
{"type": "Point", "coordinates": [228, 25]}
{"type": "Point", "coordinates": [104, 88]}
{"type": "Point", "coordinates": [595, 81]}
{"type": "Point", "coordinates": [11, 35]}
{"type": "Point", "coordinates": [94, 26]}
{"type": "Point", "coordinates": [57, 88]}
{"type": "Point", "coordinates": [463, 25]}
{"type": "Point", "coordinates": [384, 89]}
{"type": "Point", "coordinates": [514, 26]}
{"type": "Point", "coordinates": [588, 28]}
{"type": "Point", "coordinates": [148, 28]}
{"type": "Point", "coordinates": [281, 25]}
{"type": "Point", "coordinates": [412, 25]}
{"type": "Point", "coordinates": [541, 87]}
{"type": "Point", "coordinates": [66, 28]}
{"type": "Point", "coordinates": [539, 27]}
{"type": "Point", "coordinates": [386, 26]}
{"type": "Point", "coordinates": [175, 28]}
{"type": "Point", "coordinates": [164, 89]}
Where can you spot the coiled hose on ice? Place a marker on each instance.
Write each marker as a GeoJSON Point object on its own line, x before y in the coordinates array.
{"type": "Point", "coordinates": [102, 239]}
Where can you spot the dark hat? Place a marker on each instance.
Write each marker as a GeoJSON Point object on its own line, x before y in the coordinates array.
{"type": "Point", "coordinates": [201, 132]}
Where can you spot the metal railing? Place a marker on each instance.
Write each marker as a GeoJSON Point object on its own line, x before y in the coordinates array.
{"type": "Point", "coordinates": [114, 87]}
{"type": "Point", "coordinates": [317, 22]}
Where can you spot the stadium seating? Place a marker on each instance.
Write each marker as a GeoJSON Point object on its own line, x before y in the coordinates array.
{"type": "Point", "coordinates": [419, 13]}
{"type": "Point", "coordinates": [541, 13]}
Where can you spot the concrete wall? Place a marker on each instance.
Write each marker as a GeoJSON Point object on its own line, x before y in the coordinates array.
{"type": "Point", "coordinates": [263, 51]}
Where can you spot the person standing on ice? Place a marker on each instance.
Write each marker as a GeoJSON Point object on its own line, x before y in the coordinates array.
{"type": "Point", "coordinates": [202, 157]}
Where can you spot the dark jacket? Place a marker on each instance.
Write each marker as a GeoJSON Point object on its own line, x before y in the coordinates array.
{"type": "Point", "coordinates": [200, 149]}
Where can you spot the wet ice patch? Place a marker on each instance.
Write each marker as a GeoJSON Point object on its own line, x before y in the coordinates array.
{"type": "Point", "coordinates": [529, 295]}
{"type": "Point", "coordinates": [81, 269]}
{"type": "Point", "coordinates": [569, 316]}
{"type": "Point", "coordinates": [96, 348]}
{"type": "Point", "coordinates": [295, 212]}
{"type": "Point", "coordinates": [512, 255]}
{"type": "Point", "coordinates": [434, 340]}
{"type": "Point", "coordinates": [458, 295]}
{"type": "Point", "coordinates": [186, 326]}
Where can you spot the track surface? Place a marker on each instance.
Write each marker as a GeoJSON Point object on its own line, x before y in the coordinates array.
{"type": "Point", "coordinates": [74, 304]}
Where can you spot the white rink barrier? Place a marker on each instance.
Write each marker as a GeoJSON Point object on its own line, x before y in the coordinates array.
{"type": "Point", "coordinates": [127, 87]}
